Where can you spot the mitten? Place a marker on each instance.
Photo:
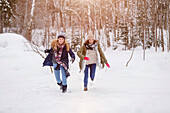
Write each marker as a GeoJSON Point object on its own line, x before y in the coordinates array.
{"type": "Point", "coordinates": [107, 65]}
{"type": "Point", "coordinates": [86, 58]}
{"type": "Point", "coordinates": [72, 60]}
{"type": "Point", "coordinates": [47, 50]}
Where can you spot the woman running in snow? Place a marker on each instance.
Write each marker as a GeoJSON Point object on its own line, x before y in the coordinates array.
{"type": "Point", "coordinates": [58, 58]}
{"type": "Point", "coordinates": [91, 55]}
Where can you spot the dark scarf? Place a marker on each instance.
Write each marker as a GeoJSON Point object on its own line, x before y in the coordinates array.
{"type": "Point", "coordinates": [58, 54]}
{"type": "Point", "coordinates": [91, 46]}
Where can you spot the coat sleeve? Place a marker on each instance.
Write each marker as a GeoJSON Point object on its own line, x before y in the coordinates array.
{"type": "Point", "coordinates": [48, 59]}
{"type": "Point", "coordinates": [71, 54]}
{"type": "Point", "coordinates": [102, 54]}
{"type": "Point", "coordinates": [79, 53]}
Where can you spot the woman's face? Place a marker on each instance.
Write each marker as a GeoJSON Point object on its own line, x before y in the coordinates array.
{"type": "Point", "coordinates": [91, 41]}
{"type": "Point", "coordinates": [60, 40]}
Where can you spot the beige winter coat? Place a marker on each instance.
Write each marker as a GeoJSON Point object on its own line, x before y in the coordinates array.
{"type": "Point", "coordinates": [101, 57]}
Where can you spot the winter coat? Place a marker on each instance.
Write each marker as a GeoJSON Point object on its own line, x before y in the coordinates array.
{"type": "Point", "coordinates": [82, 53]}
{"type": "Point", "coordinates": [64, 56]}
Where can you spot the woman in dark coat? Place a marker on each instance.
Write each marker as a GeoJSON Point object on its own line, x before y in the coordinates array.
{"type": "Point", "coordinates": [58, 58]}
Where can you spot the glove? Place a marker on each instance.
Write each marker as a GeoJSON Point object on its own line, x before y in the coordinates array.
{"type": "Point", "coordinates": [107, 65]}
{"type": "Point", "coordinates": [72, 60]}
{"type": "Point", "coordinates": [47, 51]}
{"type": "Point", "coordinates": [86, 58]}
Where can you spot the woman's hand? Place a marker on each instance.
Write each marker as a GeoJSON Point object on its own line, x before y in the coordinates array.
{"type": "Point", "coordinates": [47, 50]}
{"type": "Point", "coordinates": [107, 65]}
{"type": "Point", "coordinates": [72, 60]}
{"type": "Point", "coordinates": [86, 58]}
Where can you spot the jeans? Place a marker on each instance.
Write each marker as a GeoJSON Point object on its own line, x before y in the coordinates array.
{"type": "Point", "coordinates": [92, 73]}
{"type": "Point", "coordinates": [57, 74]}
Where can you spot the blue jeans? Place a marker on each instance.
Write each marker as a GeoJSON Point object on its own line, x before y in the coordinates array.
{"type": "Point", "coordinates": [57, 74]}
{"type": "Point", "coordinates": [92, 73]}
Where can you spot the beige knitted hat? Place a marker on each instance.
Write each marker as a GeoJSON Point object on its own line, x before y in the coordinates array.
{"type": "Point", "coordinates": [90, 36]}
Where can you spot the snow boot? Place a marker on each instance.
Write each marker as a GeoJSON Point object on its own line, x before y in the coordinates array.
{"type": "Point", "coordinates": [85, 89]}
{"type": "Point", "coordinates": [64, 88]}
{"type": "Point", "coordinates": [60, 84]}
{"type": "Point", "coordinates": [91, 78]}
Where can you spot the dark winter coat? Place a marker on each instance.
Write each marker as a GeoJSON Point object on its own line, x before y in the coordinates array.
{"type": "Point", "coordinates": [64, 57]}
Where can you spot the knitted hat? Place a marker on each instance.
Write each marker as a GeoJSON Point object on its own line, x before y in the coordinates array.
{"type": "Point", "coordinates": [90, 36]}
{"type": "Point", "coordinates": [62, 35]}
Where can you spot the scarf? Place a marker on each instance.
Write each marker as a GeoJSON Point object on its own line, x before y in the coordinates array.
{"type": "Point", "coordinates": [58, 54]}
{"type": "Point", "coordinates": [91, 46]}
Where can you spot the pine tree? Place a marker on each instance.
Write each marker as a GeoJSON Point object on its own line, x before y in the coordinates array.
{"type": "Point", "coordinates": [6, 12]}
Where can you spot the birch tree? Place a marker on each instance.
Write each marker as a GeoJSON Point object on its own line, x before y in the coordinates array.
{"type": "Point", "coordinates": [30, 23]}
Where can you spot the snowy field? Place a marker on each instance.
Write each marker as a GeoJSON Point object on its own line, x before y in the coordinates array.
{"type": "Point", "coordinates": [27, 87]}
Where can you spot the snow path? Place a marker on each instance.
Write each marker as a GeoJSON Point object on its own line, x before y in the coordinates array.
{"type": "Point", "coordinates": [27, 87]}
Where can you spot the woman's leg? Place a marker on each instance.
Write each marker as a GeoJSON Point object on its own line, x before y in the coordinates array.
{"type": "Point", "coordinates": [57, 74]}
{"type": "Point", "coordinates": [86, 76]}
{"type": "Point", "coordinates": [64, 78]}
{"type": "Point", "coordinates": [64, 83]}
{"type": "Point", "coordinates": [92, 71]}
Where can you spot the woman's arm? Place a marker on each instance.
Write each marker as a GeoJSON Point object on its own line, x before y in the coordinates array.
{"type": "Point", "coordinates": [102, 54]}
{"type": "Point", "coordinates": [79, 53]}
{"type": "Point", "coordinates": [72, 54]}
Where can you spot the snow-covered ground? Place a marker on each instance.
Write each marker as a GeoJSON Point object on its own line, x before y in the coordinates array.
{"type": "Point", "coordinates": [27, 87]}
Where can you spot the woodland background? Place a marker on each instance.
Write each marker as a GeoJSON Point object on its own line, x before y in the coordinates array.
{"type": "Point", "coordinates": [130, 23]}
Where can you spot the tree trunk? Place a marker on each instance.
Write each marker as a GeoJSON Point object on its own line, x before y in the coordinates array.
{"type": "Point", "coordinates": [144, 38]}
{"type": "Point", "coordinates": [2, 19]}
{"type": "Point", "coordinates": [25, 18]}
{"type": "Point", "coordinates": [144, 43]}
{"type": "Point", "coordinates": [168, 26]}
{"type": "Point", "coordinates": [161, 27]}
{"type": "Point", "coordinates": [29, 31]}
{"type": "Point", "coordinates": [156, 44]}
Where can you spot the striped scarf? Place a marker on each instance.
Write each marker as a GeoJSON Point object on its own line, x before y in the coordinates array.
{"type": "Point", "coordinates": [58, 54]}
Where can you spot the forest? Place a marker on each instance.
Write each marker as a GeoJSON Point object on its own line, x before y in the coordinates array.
{"type": "Point", "coordinates": [115, 23]}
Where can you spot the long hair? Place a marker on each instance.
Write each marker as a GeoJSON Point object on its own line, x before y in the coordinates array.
{"type": "Point", "coordinates": [55, 43]}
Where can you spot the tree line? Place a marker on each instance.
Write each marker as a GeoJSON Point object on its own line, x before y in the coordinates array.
{"type": "Point", "coordinates": [130, 23]}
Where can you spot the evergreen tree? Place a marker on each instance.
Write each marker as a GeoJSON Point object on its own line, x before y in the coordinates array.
{"type": "Point", "coordinates": [6, 12]}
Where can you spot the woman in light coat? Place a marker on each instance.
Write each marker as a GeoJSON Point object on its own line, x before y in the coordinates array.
{"type": "Point", "coordinates": [91, 55]}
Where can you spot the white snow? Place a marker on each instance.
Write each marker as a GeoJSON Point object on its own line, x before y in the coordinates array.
{"type": "Point", "coordinates": [27, 87]}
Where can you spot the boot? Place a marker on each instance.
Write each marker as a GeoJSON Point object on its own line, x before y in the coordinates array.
{"type": "Point", "coordinates": [60, 84]}
{"type": "Point", "coordinates": [85, 89]}
{"type": "Point", "coordinates": [91, 78]}
{"type": "Point", "coordinates": [64, 88]}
